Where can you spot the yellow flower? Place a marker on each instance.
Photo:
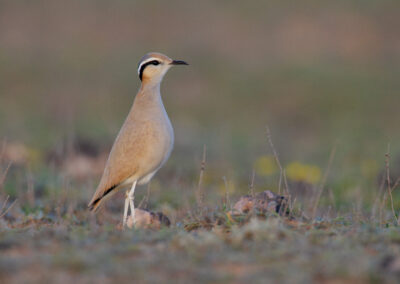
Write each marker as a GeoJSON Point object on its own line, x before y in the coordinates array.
{"type": "Point", "coordinates": [265, 166]}
{"type": "Point", "coordinates": [297, 171]}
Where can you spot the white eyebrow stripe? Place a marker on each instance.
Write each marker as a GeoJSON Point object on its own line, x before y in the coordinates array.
{"type": "Point", "coordinates": [147, 61]}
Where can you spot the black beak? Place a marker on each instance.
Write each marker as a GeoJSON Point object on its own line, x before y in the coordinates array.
{"type": "Point", "coordinates": [178, 62]}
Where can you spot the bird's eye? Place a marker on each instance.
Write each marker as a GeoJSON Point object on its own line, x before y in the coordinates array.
{"type": "Point", "coordinates": [155, 62]}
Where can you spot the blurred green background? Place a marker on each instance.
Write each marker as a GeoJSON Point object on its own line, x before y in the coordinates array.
{"type": "Point", "coordinates": [318, 73]}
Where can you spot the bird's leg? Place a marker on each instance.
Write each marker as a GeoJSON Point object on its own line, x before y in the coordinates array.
{"type": "Point", "coordinates": [125, 218]}
{"type": "Point", "coordinates": [131, 198]}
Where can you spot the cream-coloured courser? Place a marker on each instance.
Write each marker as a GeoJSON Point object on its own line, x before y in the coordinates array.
{"type": "Point", "coordinates": [145, 140]}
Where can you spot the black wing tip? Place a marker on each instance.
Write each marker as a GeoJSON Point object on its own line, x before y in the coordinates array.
{"type": "Point", "coordinates": [93, 205]}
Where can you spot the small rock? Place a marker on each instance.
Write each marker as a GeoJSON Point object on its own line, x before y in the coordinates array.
{"type": "Point", "coordinates": [265, 201]}
{"type": "Point", "coordinates": [148, 220]}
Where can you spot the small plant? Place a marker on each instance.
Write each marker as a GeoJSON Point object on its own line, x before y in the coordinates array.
{"type": "Point", "coordinates": [3, 207]}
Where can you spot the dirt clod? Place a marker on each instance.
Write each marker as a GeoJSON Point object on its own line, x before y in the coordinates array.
{"type": "Point", "coordinates": [263, 202]}
{"type": "Point", "coordinates": [148, 220]}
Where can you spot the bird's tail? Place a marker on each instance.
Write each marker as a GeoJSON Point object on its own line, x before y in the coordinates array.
{"type": "Point", "coordinates": [99, 198]}
{"type": "Point", "coordinates": [95, 205]}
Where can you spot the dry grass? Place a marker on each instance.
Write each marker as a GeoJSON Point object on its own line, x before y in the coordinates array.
{"type": "Point", "coordinates": [57, 240]}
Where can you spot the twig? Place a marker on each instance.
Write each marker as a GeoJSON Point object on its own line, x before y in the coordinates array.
{"type": "Point", "coordinates": [377, 198]}
{"type": "Point", "coordinates": [324, 179]}
{"type": "Point", "coordinates": [282, 173]}
{"type": "Point", "coordinates": [200, 193]}
{"type": "Point", "coordinates": [382, 207]}
{"type": "Point", "coordinates": [396, 184]}
{"type": "Point", "coordinates": [358, 203]}
{"type": "Point", "coordinates": [280, 182]}
{"type": "Point", "coordinates": [387, 166]}
{"type": "Point", "coordinates": [227, 200]}
{"type": "Point", "coordinates": [8, 208]}
{"type": "Point", "coordinates": [253, 174]}
{"type": "Point", "coordinates": [3, 176]}
{"type": "Point", "coordinates": [4, 203]}
{"type": "Point", "coordinates": [393, 188]}
{"type": "Point", "coordinates": [286, 183]}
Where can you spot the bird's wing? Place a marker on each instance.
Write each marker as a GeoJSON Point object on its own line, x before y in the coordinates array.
{"type": "Point", "coordinates": [122, 162]}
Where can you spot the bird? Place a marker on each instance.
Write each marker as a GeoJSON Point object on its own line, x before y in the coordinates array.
{"type": "Point", "coordinates": [145, 140]}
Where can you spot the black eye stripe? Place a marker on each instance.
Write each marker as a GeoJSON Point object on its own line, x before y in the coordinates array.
{"type": "Point", "coordinates": [153, 62]}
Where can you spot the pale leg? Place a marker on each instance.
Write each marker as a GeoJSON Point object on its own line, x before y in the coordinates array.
{"type": "Point", "coordinates": [125, 218]}
{"type": "Point", "coordinates": [132, 202]}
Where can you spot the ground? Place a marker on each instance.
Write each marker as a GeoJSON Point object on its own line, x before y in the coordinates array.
{"type": "Point", "coordinates": [263, 250]}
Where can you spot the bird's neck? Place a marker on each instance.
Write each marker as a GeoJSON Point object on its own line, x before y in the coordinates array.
{"type": "Point", "coordinates": [148, 98]}
{"type": "Point", "coordinates": [150, 93]}
{"type": "Point", "coordinates": [151, 85]}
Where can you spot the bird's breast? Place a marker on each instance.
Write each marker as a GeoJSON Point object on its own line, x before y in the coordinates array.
{"type": "Point", "coordinates": [152, 135]}
{"type": "Point", "coordinates": [159, 137]}
{"type": "Point", "coordinates": [168, 134]}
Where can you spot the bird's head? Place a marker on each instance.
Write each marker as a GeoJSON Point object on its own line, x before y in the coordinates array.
{"type": "Point", "coordinates": [153, 66]}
